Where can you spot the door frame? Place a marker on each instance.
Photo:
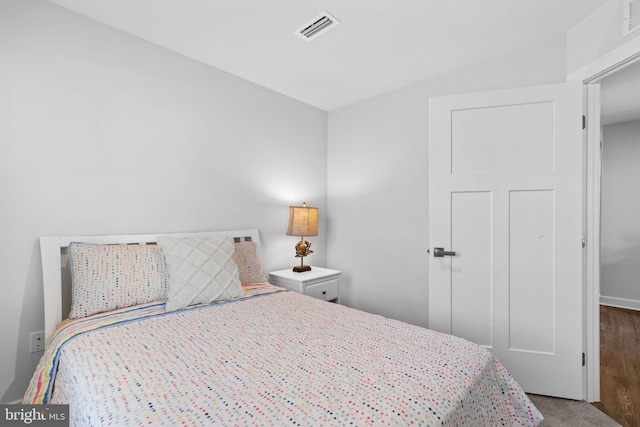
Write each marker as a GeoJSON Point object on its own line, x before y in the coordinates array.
{"type": "Point", "coordinates": [591, 76]}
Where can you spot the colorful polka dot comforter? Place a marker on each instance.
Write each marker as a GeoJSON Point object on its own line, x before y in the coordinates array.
{"type": "Point", "coordinates": [272, 358]}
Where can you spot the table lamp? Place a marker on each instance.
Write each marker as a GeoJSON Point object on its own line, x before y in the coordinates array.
{"type": "Point", "coordinates": [303, 221]}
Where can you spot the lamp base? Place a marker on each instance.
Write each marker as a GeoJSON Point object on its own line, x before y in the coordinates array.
{"type": "Point", "coordinates": [301, 268]}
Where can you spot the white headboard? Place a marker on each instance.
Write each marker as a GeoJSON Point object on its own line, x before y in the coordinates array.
{"type": "Point", "coordinates": [57, 276]}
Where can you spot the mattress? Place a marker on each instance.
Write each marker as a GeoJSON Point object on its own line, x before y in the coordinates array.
{"type": "Point", "coordinates": [272, 358]}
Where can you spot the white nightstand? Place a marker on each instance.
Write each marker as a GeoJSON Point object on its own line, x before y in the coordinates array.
{"type": "Point", "coordinates": [321, 283]}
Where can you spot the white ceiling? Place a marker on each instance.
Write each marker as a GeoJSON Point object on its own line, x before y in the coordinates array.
{"type": "Point", "coordinates": [379, 45]}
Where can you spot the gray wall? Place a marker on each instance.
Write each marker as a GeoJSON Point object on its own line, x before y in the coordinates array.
{"type": "Point", "coordinates": [378, 180]}
{"type": "Point", "coordinates": [620, 229]}
{"type": "Point", "coordinates": [103, 133]}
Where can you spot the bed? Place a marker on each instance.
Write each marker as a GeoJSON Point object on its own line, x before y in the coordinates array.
{"type": "Point", "coordinates": [263, 356]}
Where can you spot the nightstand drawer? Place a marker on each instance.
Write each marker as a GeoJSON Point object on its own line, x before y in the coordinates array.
{"type": "Point", "coordinates": [320, 282]}
{"type": "Point", "coordinates": [327, 291]}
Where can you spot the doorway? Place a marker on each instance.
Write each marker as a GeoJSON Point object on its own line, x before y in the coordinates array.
{"type": "Point", "coordinates": [592, 76]}
{"type": "Point", "coordinates": [620, 246]}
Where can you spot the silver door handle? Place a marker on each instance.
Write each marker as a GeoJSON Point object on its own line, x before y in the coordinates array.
{"type": "Point", "coordinates": [440, 253]}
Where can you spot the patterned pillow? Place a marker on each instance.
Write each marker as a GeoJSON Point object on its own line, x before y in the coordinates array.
{"type": "Point", "coordinates": [246, 259]}
{"type": "Point", "coordinates": [107, 277]}
{"type": "Point", "coordinates": [200, 270]}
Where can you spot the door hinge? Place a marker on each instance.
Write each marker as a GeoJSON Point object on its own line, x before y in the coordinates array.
{"type": "Point", "coordinates": [584, 122]}
{"type": "Point", "coordinates": [584, 241]}
{"type": "Point", "coordinates": [584, 359]}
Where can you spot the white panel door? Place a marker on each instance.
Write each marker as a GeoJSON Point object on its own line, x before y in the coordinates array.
{"type": "Point", "coordinates": [505, 194]}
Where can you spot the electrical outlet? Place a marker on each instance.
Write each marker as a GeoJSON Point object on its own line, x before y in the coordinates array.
{"type": "Point", "coordinates": [37, 341]}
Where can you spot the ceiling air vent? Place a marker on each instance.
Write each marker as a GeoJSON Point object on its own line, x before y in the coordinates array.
{"type": "Point", "coordinates": [317, 26]}
{"type": "Point", "coordinates": [631, 16]}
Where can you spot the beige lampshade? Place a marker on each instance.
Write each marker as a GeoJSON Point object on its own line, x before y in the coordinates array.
{"type": "Point", "coordinates": [303, 221]}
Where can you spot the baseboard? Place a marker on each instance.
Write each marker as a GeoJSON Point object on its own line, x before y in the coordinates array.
{"type": "Point", "coordinates": [629, 304]}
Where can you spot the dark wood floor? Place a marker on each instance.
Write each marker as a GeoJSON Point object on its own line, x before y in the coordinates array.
{"type": "Point", "coordinates": [620, 365]}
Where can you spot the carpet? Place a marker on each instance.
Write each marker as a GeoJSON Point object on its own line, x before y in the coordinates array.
{"type": "Point", "coordinates": [569, 413]}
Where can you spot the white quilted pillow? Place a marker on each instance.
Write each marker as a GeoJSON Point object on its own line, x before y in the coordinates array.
{"type": "Point", "coordinates": [200, 270]}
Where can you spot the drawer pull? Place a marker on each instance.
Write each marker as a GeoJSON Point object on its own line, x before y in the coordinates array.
{"type": "Point", "coordinates": [324, 292]}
